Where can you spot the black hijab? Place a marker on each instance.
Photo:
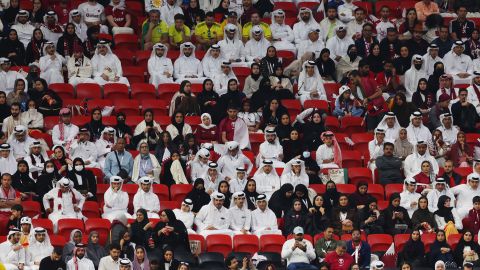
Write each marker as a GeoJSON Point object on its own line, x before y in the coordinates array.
{"type": "Point", "coordinates": [22, 181]}
{"type": "Point", "coordinates": [445, 212]}
{"type": "Point", "coordinates": [325, 67]}
{"type": "Point", "coordinates": [255, 77]}
{"type": "Point", "coordinates": [198, 196]}
{"type": "Point", "coordinates": [13, 46]}
{"type": "Point", "coordinates": [331, 196]}
{"type": "Point", "coordinates": [279, 203]}
{"type": "Point", "coordinates": [95, 127]}
{"type": "Point", "coordinates": [251, 196]}
{"type": "Point", "coordinates": [434, 79]}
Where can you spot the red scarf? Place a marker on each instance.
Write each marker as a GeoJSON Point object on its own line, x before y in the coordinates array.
{"type": "Point", "coordinates": [476, 91]}
{"type": "Point", "coordinates": [8, 194]}
{"type": "Point", "coordinates": [60, 195]}
{"type": "Point", "coordinates": [55, 28]}
{"type": "Point", "coordinates": [36, 50]}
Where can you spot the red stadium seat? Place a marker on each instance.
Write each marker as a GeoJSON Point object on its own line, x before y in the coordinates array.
{"type": "Point", "coordinates": [289, 8]}
{"type": "Point", "coordinates": [114, 91]}
{"type": "Point", "coordinates": [346, 188]}
{"type": "Point", "coordinates": [142, 58]}
{"type": "Point", "coordinates": [219, 243]}
{"type": "Point", "coordinates": [360, 174]}
{"type": "Point", "coordinates": [290, 21]}
{"type": "Point", "coordinates": [57, 240]}
{"type": "Point", "coordinates": [271, 243]}
{"type": "Point", "coordinates": [392, 4]}
{"type": "Point", "coordinates": [307, 237]}
{"type": "Point", "coordinates": [97, 172]}
{"type": "Point", "coordinates": [67, 102]}
{"type": "Point", "coordinates": [159, 107]}
{"type": "Point", "coordinates": [163, 120]}
{"type": "Point", "coordinates": [472, 139]}
{"type": "Point", "coordinates": [134, 74]}
{"type": "Point", "coordinates": [453, 240]}
{"type": "Point", "coordinates": [330, 89]}
{"type": "Point", "coordinates": [50, 121]}
{"type": "Point", "coordinates": [293, 106]}
{"type": "Point", "coordinates": [199, 238]}
{"type": "Point", "coordinates": [199, 54]}
{"type": "Point", "coordinates": [63, 90]}
{"type": "Point", "coordinates": [103, 36]}
{"type": "Point", "coordinates": [428, 239]}
{"type": "Point", "coordinates": [318, 104]}
{"type": "Point", "coordinates": [91, 209]}
{"type": "Point", "coordinates": [242, 73]}
{"type": "Point", "coordinates": [127, 57]}
{"type": "Point", "coordinates": [169, 205]}
{"type": "Point", "coordinates": [100, 225]}
{"type": "Point", "coordinates": [246, 243]}
{"type": "Point", "coordinates": [66, 225]}
{"type": "Point", "coordinates": [311, 5]}
{"type": "Point", "coordinates": [379, 242]}
{"type": "Point", "coordinates": [136, 8]}
{"type": "Point", "coordinates": [255, 140]}
{"type": "Point", "coordinates": [44, 223]}
{"type": "Point", "coordinates": [361, 141]}
{"type": "Point", "coordinates": [172, 54]}
{"type": "Point", "coordinates": [127, 106]}
{"type": "Point", "coordinates": [196, 88]}
{"type": "Point", "coordinates": [352, 124]}
{"type": "Point", "coordinates": [392, 188]}
{"type": "Point", "coordinates": [133, 120]}
{"type": "Point", "coordinates": [351, 158]}
{"type": "Point", "coordinates": [463, 171]}
{"type": "Point", "coordinates": [332, 124]}
{"type": "Point", "coordinates": [80, 120]}
{"type": "Point", "coordinates": [287, 57]}
{"type": "Point", "coordinates": [250, 155]}
{"type": "Point", "coordinates": [162, 191]}
{"type": "Point", "coordinates": [126, 41]}
{"type": "Point", "coordinates": [45, 136]}
{"type": "Point", "coordinates": [178, 192]}
{"type": "Point", "coordinates": [131, 189]}
{"type": "Point", "coordinates": [382, 205]}
{"type": "Point", "coordinates": [365, 5]}
{"type": "Point", "coordinates": [88, 91]}
{"type": "Point", "coordinates": [142, 91]}
{"type": "Point", "coordinates": [319, 188]}
{"type": "Point", "coordinates": [98, 103]}
{"type": "Point", "coordinates": [317, 236]}
{"type": "Point", "coordinates": [400, 240]}
{"type": "Point", "coordinates": [377, 191]}
{"type": "Point", "coordinates": [167, 90]}
{"type": "Point", "coordinates": [31, 208]}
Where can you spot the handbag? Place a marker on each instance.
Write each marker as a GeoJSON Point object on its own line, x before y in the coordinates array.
{"type": "Point", "coordinates": [122, 173]}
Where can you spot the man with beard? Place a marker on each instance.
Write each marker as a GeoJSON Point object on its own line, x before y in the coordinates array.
{"type": "Point", "coordinates": [51, 29]}
{"type": "Point", "coordinates": [23, 27]}
{"type": "Point", "coordinates": [160, 67]}
{"type": "Point", "coordinates": [36, 159]}
{"type": "Point", "coordinates": [355, 26]}
{"type": "Point", "coordinates": [80, 260]}
{"type": "Point", "coordinates": [330, 23]}
{"type": "Point", "coordinates": [79, 67]}
{"type": "Point", "coordinates": [390, 46]}
{"type": "Point", "coordinates": [13, 120]}
{"type": "Point", "coordinates": [365, 41]}
{"type": "Point", "coordinates": [413, 75]}
{"type": "Point", "coordinates": [12, 253]}
{"type": "Point", "coordinates": [187, 66]}
{"type": "Point", "coordinates": [53, 261]}
{"type": "Point", "coordinates": [464, 113]}
{"type": "Point", "coordinates": [20, 142]}
{"type": "Point", "coordinates": [304, 24]}
{"type": "Point", "coordinates": [8, 77]}
{"type": "Point", "coordinates": [51, 64]}
{"type": "Point", "coordinates": [339, 44]}
{"type": "Point", "coordinates": [458, 64]}
{"type": "Point", "coordinates": [105, 145]}
{"type": "Point", "coordinates": [112, 260]}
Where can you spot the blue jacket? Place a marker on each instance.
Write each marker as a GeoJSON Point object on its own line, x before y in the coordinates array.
{"type": "Point", "coordinates": [365, 253]}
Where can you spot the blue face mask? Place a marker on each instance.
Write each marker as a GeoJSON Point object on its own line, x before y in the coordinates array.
{"type": "Point", "coordinates": [306, 154]}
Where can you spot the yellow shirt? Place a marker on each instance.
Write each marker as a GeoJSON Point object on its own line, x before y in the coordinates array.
{"type": "Point", "coordinates": [157, 32]}
{"type": "Point", "coordinates": [176, 35]}
{"type": "Point", "coordinates": [215, 31]}
{"type": "Point", "coordinates": [267, 33]}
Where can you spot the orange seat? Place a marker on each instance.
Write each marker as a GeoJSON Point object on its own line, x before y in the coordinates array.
{"type": "Point", "coordinates": [162, 191]}
{"type": "Point", "coordinates": [88, 91]}
{"type": "Point", "coordinates": [346, 188]}
{"type": "Point", "coordinates": [158, 106]}
{"type": "Point", "coordinates": [271, 243]}
{"type": "Point", "coordinates": [379, 242]}
{"type": "Point", "coordinates": [400, 240]}
{"type": "Point", "coordinates": [114, 91]}
{"type": "Point", "coordinates": [353, 124]}
{"type": "Point", "coordinates": [377, 191]}
{"type": "Point", "coordinates": [219, 243]}
{"type": "Point", "coordinates": [126, 41]}
{"type": "Point", "coordinates": [31, 208]}
{"type": "Point", "coordinates": [134, 74]}
{"type": "Point", "coordinates": [127, 106]}
{"type": "Point", "coordinates": [178, 192]}
{"type": "Point", "coordinates": [44, 223]}
{"type": "Point", "coordinates": [100, 225]}
{"type": "Point", "coordinates": [453, 240]}
{"type": "Point", "coordinates": [392, 188]}
{"type": "Point", "coordinates": [351, 158]}
{"type": "Point", "coordinates": [167, 90]}
{"type": "Point", "coordinates": [169, 205]}
{"type": "Point", "coordinates": [142, 91]}
{"type": "Point", "coordinates": [67, 225]}
{"type": "Point", "coordinates": [63, 90]}
{"type": "Point", "coordinates": [359, 174]}
{"type": "Point", "coordinates": [98, 103]}
{"type": "Point", "coordinates": [245, 243]}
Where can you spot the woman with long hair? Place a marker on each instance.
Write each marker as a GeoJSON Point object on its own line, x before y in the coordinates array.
{"type": "Point", "coordinates": [193, 14]}
{"type": "Point", "coordinates": [13, 49]}
{"type": "Point", "coordinates": [95, 126]}
{"type": "Point", "coordinates": [208, 99]}
{"type": "Point", "coordinates": [19, 94]}
{"type": "Point", "coordinates": [467, 250]}
{"type": "Point", "coordinates": [440, 250]}
{"type": "Point", "coordinates": [318, 218]}
{"type": "Point", "coordinates": [60, 159]}
{"type": "Point", "coordinates": [315, 127]}
{"type": "Point", "coordinates": [326, 66]}
{"type": "Point", "coordinates": [295, 217]}
{"type": "Point", "coordinates": [406, 28]}
{"type": "Point", "coordinates": [423, 98]}
{"type": "Point", "coordinates": [171, 232]}
{"type": "Point", "coordinates": [68, 41]}
{"type": "Point", "coordinates": [251, 194]}
{"type": "Point", "coordinates": [140, 259]}
{"type": "Point", "coordinates": [269, 62]}
{"type": "Point", "coordinates": [293, 145]}
{"type": "Point", "coordinates": [184, 101]}
{"type": "Point", "coordinates": [251, 117]}
{"type": "Point", "coordinates": [35, 47]}
{"type": "Point", "coordinates": [461, 154]}
{"type": "Point", "coordinates": [375, 59]}
{"type": "Point", "coordinates": [272, 112]}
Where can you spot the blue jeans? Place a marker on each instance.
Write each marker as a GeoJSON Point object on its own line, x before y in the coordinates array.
{"type": "Point", "coordinates": [301, 266]}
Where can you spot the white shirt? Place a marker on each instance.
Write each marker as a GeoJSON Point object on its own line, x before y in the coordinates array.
{"type": "Point", "coordinates": [267, 183]}
{"type": "Point", "coordinates": [211, 65]}
{"type": "Point", "coordinates": [158, 65]}
{"type": "Point", "coordinates": [8, 256]}
{"type": "Point", "coordinates": [256, 49]}
{"type": "Point", "coordinates": [455, 64]}
{"type": "Point", "coordinates": [168, 12]}
{"type": "Point", "coordinates": [146, 200]}
{"type": "Point", "coordinates": [228, 164]}
{"type": "Point", "coordinates": [420, 133]}
{"type": "Point", "coordinates": [324, 152]}
{"type": "Point", "coordinates": [339, 47]}
{"type": "Point", "coordinates": [381, 28]}
{"type": "Point", "coordinates": [473, 98]}
{"type": "Point", "coordinates": [110, 60]}
{"type": "Point", "coordinates": [284, 32]}
{"type": "Point", "coordinates": [185, 217]}
{"type": "Point", "coordinates": [38, 167]}
{"type": "Point", "coordinates": [449, 135]}
{"type": "Point", "coordinates": [429, 63]}
{"type": "Point", "coordinates": [50, 35]}
{"type": "Point", "coordinates": [294, 179]}
{"type": "Point", "coordinates": [37, 251]}
{"type": "Point", "coordinates": [237, 185]}
{"type": "Point", "coordinates": [49, 65]}
{"type": "Point", "coordinates": [33, 118]}
{"type": "Point", "coordinates": [327, 28]}
{"type": "Point", "coordinates": [406, 199]}
{"type": "Point", "coordinates": [412, 76]}
{"type": "Point", "coordinates": [233, 49]}
{"type": "Point", "coordinates": [84, 150]}
{"type": "Point", "coordinates": [465, 195]}
{"type": "Point", "coordinates": [413, 164]}
{"type": "Point", "coordinates": [115, 201]}
{"type": "Point", "coordinates": [81, 30]}
{"type": "Point", "coordinates": [7, 80]}
{"type": "Point", "coordinates": [353, 28]}
{"type": "Point", "coordinates": [185, 66]}
{"type": "Point", "coordinates": [70, 132]}
{"type": "Point", "coordinates": [209, 215]}
{"type": "Point", "coordinates": [300, 29]}
{"type": "Point", "coordinates": [271, 151]}
{"type": "Point", "coordinates": [297, 255]}
{"type": "Point", "coordinates": [346, 12]}
{"type": "Point", "coordinates": [84, 264]}
{"type": "Point", "coordinates": [107, 263]}
{"type": "Point", "coordinates": [239, 218]}
{"type": "Point", "coordinates": [261, 220]}
{"type": "Point", "coordinates": [307, 45]}
{"type": "Point", "coordinates": [220, 81]}
{"type": "Point", "coordinates": [92, 13]}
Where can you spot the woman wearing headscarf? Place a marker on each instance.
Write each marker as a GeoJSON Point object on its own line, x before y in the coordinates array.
{"type": "Point", "coordinates": [260, 98]}
{"type": "Point", "coordinates": [35, 48]}
{"type": "Point", "coordinates": [171, 232]}
{"type": "Point", "coordinates": [68, 41]}
{"type": "Point", "coordinates": [301, 193]}
{"type": "Point", "coordinates": [281, 200]}
{"type": "Point", "coordinates": [423, 98]}
{"type": "Point", "coordinates": [75, 238]}
{"type": "Point", "coordinates": [413, 251]}
{"type": "Point", "coordinates": [293, 146]}
{"type": "Point", "coordinates": [222, 9]}
{"type": "Point", "coordinates": [48, 102]}
{"type": "Point", "coordinates": [141, 228]}
{"type": "Point", "coordinates": [198, 196]}
{"type": "Point", "coordinates": [396, 218]}
{"type": "Point", "coordinates": [206, 131]}
{"type": "Point", "coordinates": [184, 101]}
{"type": "Point", "coordinates": [90, 44]}
{"type": "Point", "coordinates": [208, 99]}
{"type": "Point", "coordinates": [330, 196]}
{"type": "Point", "coordinates": [295, 217]}
{"type": "Point", "coordinates": [122, 130]}
{"type": "Point", "coordinates": [251, 194]}
{"type": "Point", "coordinates": [404, 61]}
{"type": "Point", "coordinates": [47, 180]}
{"type": "Point", "coordinates": [316, 128]}
{"type": "Point", "coordinates": [422, 217]}
{"type": "Point", "coordinates": [440, 250]}
{"type": "Point", "coordinates": [425, 177]}
{"type": "Point", "coordinates": [174, 170]}
{"type": "Point", "coordinates": [13, 49]}
{"type": "Point", "coordinates": [467, 250]}
{"type": "Point", "coordinates": [167, 259]}
{"type": "Point", "coordinates": [127, 247]}
{"type": "Point", "coordinates": [165, 147]}
{"type": "Point", "coordinates": [233, 96]}
{"type": "Point", "coordinates": [193, 14]}
{"type": "Point", "coordinates": [252, 82]}
{"type": "Point", "coordinates": [21, 180]}
{"type": "Point", "coordinates": [4, 107]}
{"type": "Point", "coordinates": [326, 66]}
{"type": "Point", "coordinates": [178, 129]}
{"type": "Point", "coordinates": [402, 147]}
{"type": "Point", "coordinates": [447, 217]}
{"type": "Point", "coordinates": [318, 218]}
{"type": "Point", "coordinates": [224, 188]}
{"type": "Point", "coordinates": [272, 112]}
{"type": "Point", "coordinates": [369, 218]}
{"type": "Point", "coordinates": [83, 180]}
{"type": "Point", "coordinates": [140, 259]}
{"type": "Point", "coordinates": [10, 13]}
{"type": "Point", "coordinates": [94, 250]}
{"type": "Point", "coordinates": [95, 126]}
{"type": "Point", "coordinates": [343, 217]}
{"type": "Point", "coordinates": [19, 94]}
{"type": "Point", "coordinates": [375, 59]}
{"type": "Point", "coordinates": [402, 109]}
{"type": "Point", "coordinates": [269, 62]}
{"type": "Point", "coordinates": [461, 154]}
{"type": "Point", "coordinates": [145, 164]}
{"type": "Point", "coordinates": [360, 198]}
{"type": "Point", "coordinates": [281, 85]}
{"type": "Point", "coordinates": [148, 130]}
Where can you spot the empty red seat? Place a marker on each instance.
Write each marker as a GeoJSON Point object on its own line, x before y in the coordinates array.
{"type": "Point", "coordinates": [44, 223]}
{"type": "Point", "coordinates": [463, 171]}
{"type": "Point", "coordinates": [100, 225]}
{"type": "Point", "coordinates": [453, 240]}
{"type": "Point", "coordinates": [271, 243]}
{"type": "Point", "coordinates": [392, 188]}
{"type": "Point", "coordinates": [126, 41]}
{"type": "Point", "coordinates": [382, 205]}
{"type": "Point", "coordinates": [428, 239]}
{"type": "Point", "coordinates": [346, 188]}
{"type": "Point", "coordinates": [179, 191]}
{"type": "Point", "coordinates": [377, 191]}
{"type": "Point", "coordinates": [400, 240]}
{"type": "Point", "coordinates": [169, 205]}
{"type": "Point", "coordinates": [91, 209]}
{"type": "Point", "coordinates": [142, 58]}
{"type": "Point", "coordinates": [114, 91]}
{"type": "Point", "coordinates": [353, 124]}
{"type": "Point", "coordinates": [80, 120]}
{"type": "Point", "coordinates": [379, 242]}
{"type": "Point", "coordinates": [289, 8]}
{"type": "Point", "coordinates": [255, 140]}
{"type": "Point", "coordinates": [98, 103]}
{"type": "Point", "coordinates": [293, 106]}
{"type": "Point", "coordinates": [245, 243]}
{"type": "Point", "coordinates": [134, 74]}
{"type": "Point", "coordinates": [317, 104]}
{"type": "Point", "coordinates": [351, 158]}
{"type": "Point", "coordinates": [330, 89]}
{"type": "Point", "coordinates": [161, 191]}
{"type": "Point", "coordinates": [127, 57]}
{"type": "Point", "coordinates": [219, 243]}
{"type": "Point", "coordinates": [133, 120]}
{"type": "Point", "coordinates": [319, 188]}
{"type": "Point", "coordinates": [57, 240]}
{"type": "Point", "coordinates": [242, 73]}
{"type": "Point", "coordinates": [359, 174]}
{"type": "Point", "coordinates": [310, 5]}
{"type": "Point", "coordinates": [167, 90]}
{"type": "Point", "coordinates": [200, 241]}
{"type": "Point", "coordinates": [31, 208]}
{"type": "Point", "coordinates": [332, 124]}
{"type": "Point", "coordinates": [365, 5]}
{"type": "Point", "coordinates": [158, 106]}
{"type": "Point", "coordinates": [88, 91]}
{"type": "Point", "coordinates": [63, 90]}
{"type": "Point", "coordinates": [127, 106]}
{"type": "Point", "coordinates": [66, 225]}
{"type": "Point", "coordinates": [361, 141]}
{"type": "Point", "coordinates": [287, 57]}
{"type": "Point", "coordinates": [143, 91]}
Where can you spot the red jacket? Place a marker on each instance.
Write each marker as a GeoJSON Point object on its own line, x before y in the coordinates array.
{"type": "Point", "coordinates": [337, 262]}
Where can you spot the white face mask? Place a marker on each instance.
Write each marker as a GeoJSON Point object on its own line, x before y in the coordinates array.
{"type": "Point", "coordinates": [32, 110]}
{"type": "Point", "coordinates": [79, 168]}
{"type": "Point", "coordinates": [49, 170]}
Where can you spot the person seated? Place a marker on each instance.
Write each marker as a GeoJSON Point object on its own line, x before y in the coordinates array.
{"type": "Point", "coordinates": [83, 180]}
{"type": "Point", "coordinates": [213, 218]}
{"type": "Point", "coordinates": [359, 249]}
{"type": "Point", "coordinates": [19, 142]}
{"type": "Point", "coordinates": [145, 198]}
{"type": "Point", "coordinates": [83, 148]}
{"type": "Point", "coordinates": [118, 162]}
{"type": "Point", "coordinates": [464, 113]}
{"type": "Point", "coordinates": [233, 128]}
{"type": "Point", "coordinates": [95, 126]}
{"type": "Point", "coordinates": [32, 118]}
{"type": "Point", "coordinates": [375, 148]}
{"type": "Point", "coordinates": [19, 95]}
{"type": "Point", "coordinates": [423, 218]}
{"type": "Point", "coordinates": [67, 202]}
{"type": "Point", "coordinates": [267, 178]}
{"type": "Point", "coordinates": [39, 247]}
{"type": "Point", "coordinates": [256, 47]}
{"type": "Point", "coordinates": [154, 30]}
{"type": "Point", "coordinates": [447, 217]}
{"type": "Point", "coordinates": [232, 46]}
{"type": "Point", "coordinates": [295, 217]}
{"type": "Point", "coordinates": [440, 250]}
{"type": "Point", "coordinates": [446, 86]}
{"type": "Point", "coordinates": [118, 18]}
{"type": "Point", "coordinates": [348, 62]}
{"type": "Point", "coordinates": [339, 258]}
{"type": "Point", "coordinates": [13, 255]}
{"type": "Point", "coordinates": [295, 173]}
{"type": "Point", "coordinates": [458, 64]}
{"type": "Point", "coordinates": [263, 219]}
{"type": "Point", "coordinates": [187, 66]}
{"type": "Point", "coordinates": [9, 76]}
{"type": "Point", "coordinates": [413, 252]}
{"type": "Point", "coordinates": [206, 132]}
{"type": "Point", "coordinates": [95, 251]}
{"type": "Point", "coordinates": [298, 252]}
{"type": "Point", "coordinates": [396, 218]}
{"type": "Point", "coordinates": [221, 78]}
{"type": "Point", "coordinates": [282, 34]}
{"type": "Point", "coordinates": [271, 149]}
{"type": "Point", "coordinates": [145, 164]}
{"type": "Point", "coordinates": [160, 67]}
{"type": "Point", "coordinates": [178, 129]}
{"type": "Point", "coordinates": [51, 64]}
{"type": "Point", "coordinates": [171, 232]}
{"type": "Point", "coordinates": [416, 131]}
{"type": "Point", "coordinates": [329, 153]}
{"type": "Point", "coordinates": [49, 103]}
{"type": "Point", "coordinates": [107, 67]}
{"type": "Point", "coordinates": [425, 177]}
{"type": "Point", "coordinates": [178, 33]}
{"type": "Point", "coordinates": [36, 159]}
{"type": "Point", "coordinates": [185, 214]}
{"type": "Point", "coordinates": [409, 197]}
{"type": "Point", "coordinates": [211, 62]}
{"type": "Point", "coordinates": [105, 144]}
{"type": "Point", "coordinates": [414, 161]}
{"type": "Point", "coordinates": [343, 216]}
{"type": "Point", "coordinates": [51, 29]}
{"type": "Point", "coordinates": [79, 68]}
{"type": "Point", "coordinates": [369, 218]}
{"type": "Point", "coordinates": [79, 259]}
{"type": "Point", "coordinates": [467, 250]}
{"type": "Point", "coordinates": [311, 83]}
{"type": "Point", "coordinates": [81, 28]}
{"type": "Point", "coordinates": [240, 215]}
{"type": "Point", "coordinates": [115, 200]}
{"type": "Point", "coordinates": [338, 44]}
{"type": "Point", "coordinates": [23, 27]}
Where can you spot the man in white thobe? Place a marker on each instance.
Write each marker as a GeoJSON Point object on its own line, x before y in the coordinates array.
{"type": "Point", "coordinates": [169, 10]}
{"type": "Point", "coordinates": [304, 24]}
{"type": "Point", "coordinates": [239, 215]}
{"type": "Point", "coordinates": [238, 183]}
{"type": "Point", "coordinates": [271, 149]}
{"type": "Point", "coordinates": [105, 144]}
{"type": "Point", "coordinates": [36, 159]}
{"type": "Point", "coordinates": [212, 61]}
{"type": "Point", "coordinates": [282, 34]}
{"type": "Point", "coordinates": [449, 131]}
{"type": "Point", "coordinates": [338, 44]}
{"type": "Point", "coordinates": [264, 220]}
{"type": "Point", "coordinates": [474, 91]}
{"type": "Point", "coordinates": [12, 253]}
{"type": "Point", "coordinates": [391, 126]}
{"type": "Point", "coordinates": [430, 58]}
{"type": "Point", "coordinates": [50, 28]}
{"type": "Point", "coordinates": [8, 163]}
{"type": "Point", "coordinates": [465, 194]}
{"type": "Point", "coordinates": [110, 261]}
{"type": "Point", "coordinates": [233, 159]}
{"type": "Point", "coordinates": [187, 66]}
{"type": "Point", "coordinates": [355, 26]}
{"type": "Point", "coordinates": [67, 202]}
{"type": "Point", "coordinates": [440, 188]}
{"type": "Point", "coordinates": [51, 64]}
{"type": "Point", "coordinates": [413, 75]}
{"type": "Point", "coordinates": [413, 162]}
{"type": "Point", "coordinates": [416, 131]}
{"type": "Point", "coordinates": [8, 77]}
{"type": "Point", "coordinates": [267, 178]}
{"type": "Point", "coordinates": [20, 142]}
{"type": "Point", "coordinates": [212, 178]}
{"type": "Point", "coordinates": [160, 67]}
{"type": "Point", "coordinates": [213, 218]}
{"type": "Point", "coordinates": [145, 198]}
{"type": "Point", "coordinates": [312, 45]}
{"type": "Point", "coordinates": [221, 78]}
{"type": "Point", "coordinates": [80, 260]}
{"type": "Point", "coordinates": [85, 149]}
{"type": "Point", "coordinates": [232, 46]}
{"type": "Point", "coordinates": [256, 47]}
{"type": "Point", "coordinates": [39, 247]}
{"type": "Point", "coordinates": [409, 198]}
{"type": "Point", "coordinates": [64, 133]}
{"type": "Point", "coordinates": [458, 64]}
{"type": "Point", "coordinates": [23, 27]}
{"type": "Point", "coordinates": [107, 68]}
{"type": "Point", "coordinates": [346, 12]}
{"type": "Point", "coordinates": [75, 17]}
{"type": "Point", "coordinates": [79, 67]}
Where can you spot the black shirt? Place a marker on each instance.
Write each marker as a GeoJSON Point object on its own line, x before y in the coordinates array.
{"type": "Point", "coordinates": [462, 29]}
{"type": "Point", "coordinates": [48, 264]}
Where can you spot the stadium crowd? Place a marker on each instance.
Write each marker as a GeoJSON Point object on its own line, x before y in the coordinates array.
{"type": "Point", "coordinates": [266, 113]}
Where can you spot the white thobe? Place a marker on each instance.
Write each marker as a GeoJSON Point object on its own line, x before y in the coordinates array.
{"type": "Point", "coordinates": [391, 134]}
{"type": "Point", "coordinates": [307, 85]}
{"type": "Point", "coordinates": [267, 183]}
{"type": "Point", "coordinates": [51, 69]}
{"type": "Point", "coordinates": [103, 148]}
{"type": "Point", "coordinates": [7, 80]}
{"type": "Point", "coordinates": [465, 195]}
{"type": "Point", "coordinates": [237, 185]}
{"type": "Point", "coordinates": [187, 219]}
{"type": "Point", "coordinates": [375, 150]}
{"type": "Point", "coordinates": [416, 134]}
{"type": "Point", "coordinates": [63, 207]}
{"type": "Point", "coordinates": [449, 135]}
{"type": "Point", "coordinates": [212, 66]}
{"type": "Point", "coordinates": [209, 215]}
{"type": "Point", "coordinates": [185, 67]}
{"type": "Point", "coordinates": [429, 64]}
{"type": "Point", "coordinates": [157, 66]}
{"type": "Point", "coordinates": [324, 152]}
{"type": "Point", "coordinates": [270, 151]}
{"type": "Point", "coordinates": [32, 118]}
{"type": "Point", "coordinates": [220, 81]}
{"type": "Point", "coordinates": [148, 201]}
{"type": "Point", "coordinates": [37, 251]}
{"type": "Point", "coordinates": [339, 47]}
{"type": "Point", "coordinates": [107, 263]}
{"type": "Point", "coordinates": [210, 183]}
{"type": "Point", "coordinates": [406, 199]}
{"type": "Point", "coordinates": [256, 49]}
{"type": "Point", "coordinates": [300, 30]}
{"type": "Point", "coordinates": [116, 204]}
{"type": "Point", "coordinates": [83, 264]}
{"type": "Point", "coordinates": [264, 222]}
{"type": "Point", "coordinates": [79, 74]}
{"type": "Point", "coordinates": [24, 32]}
{"type": "Point", "coordinates": [381, 28]}
{"type": "Point", "coordinates": [81, 30]}
{"type": "Point", "coordinates": [473, 98]}
{"type": "Point", "coordinates": [455, 64]}
{"type": "Point", "coordinates": [413, 164]}
{"type": "Point", "coordinates": [21, 149]}
{"type": "Point", "coordinates": [240, 219]}
{"type": "Point", "coordinates": [101, 62]}
{"type": "Point", "coordinates": [50, 35]}
{"type": "Point", "coordinates": [433, 197]}
{"type": "Point", "coordinates": [309, 46]}
{"type": "Point", "coordinates": [86, 151]}
{"type": "Point", "coordinates": [285, 33]}
{"type": "Point", "coordinates": [354, 28]}
{"type": "Point", "coordinates": [228, 164]}
{"type": "Point", "coordinates": [168, 13]}
{"type": "Point", "coordinates": [8, 165]}
{"type": "Point", "coordinates": [198, 169]}
{"type": "Point", "coordinates": [412, 76]}
{"type": "Point", "coordinates": [70, 132]}
{"type": "Point", "coordinates": [448, 91]}
{"type": "Point", "coordinates": [11, 258]}
{"type": "Point", "coordinates": [327, 28]}
{"type": "Point", "coordinates": [346, 12]}
{"type": "Point", "coordinates": [292, 178]}
{"type": "Point", "coordinates": [38, 167]}
{"type": "Point", "coordinates": [233, 49]}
